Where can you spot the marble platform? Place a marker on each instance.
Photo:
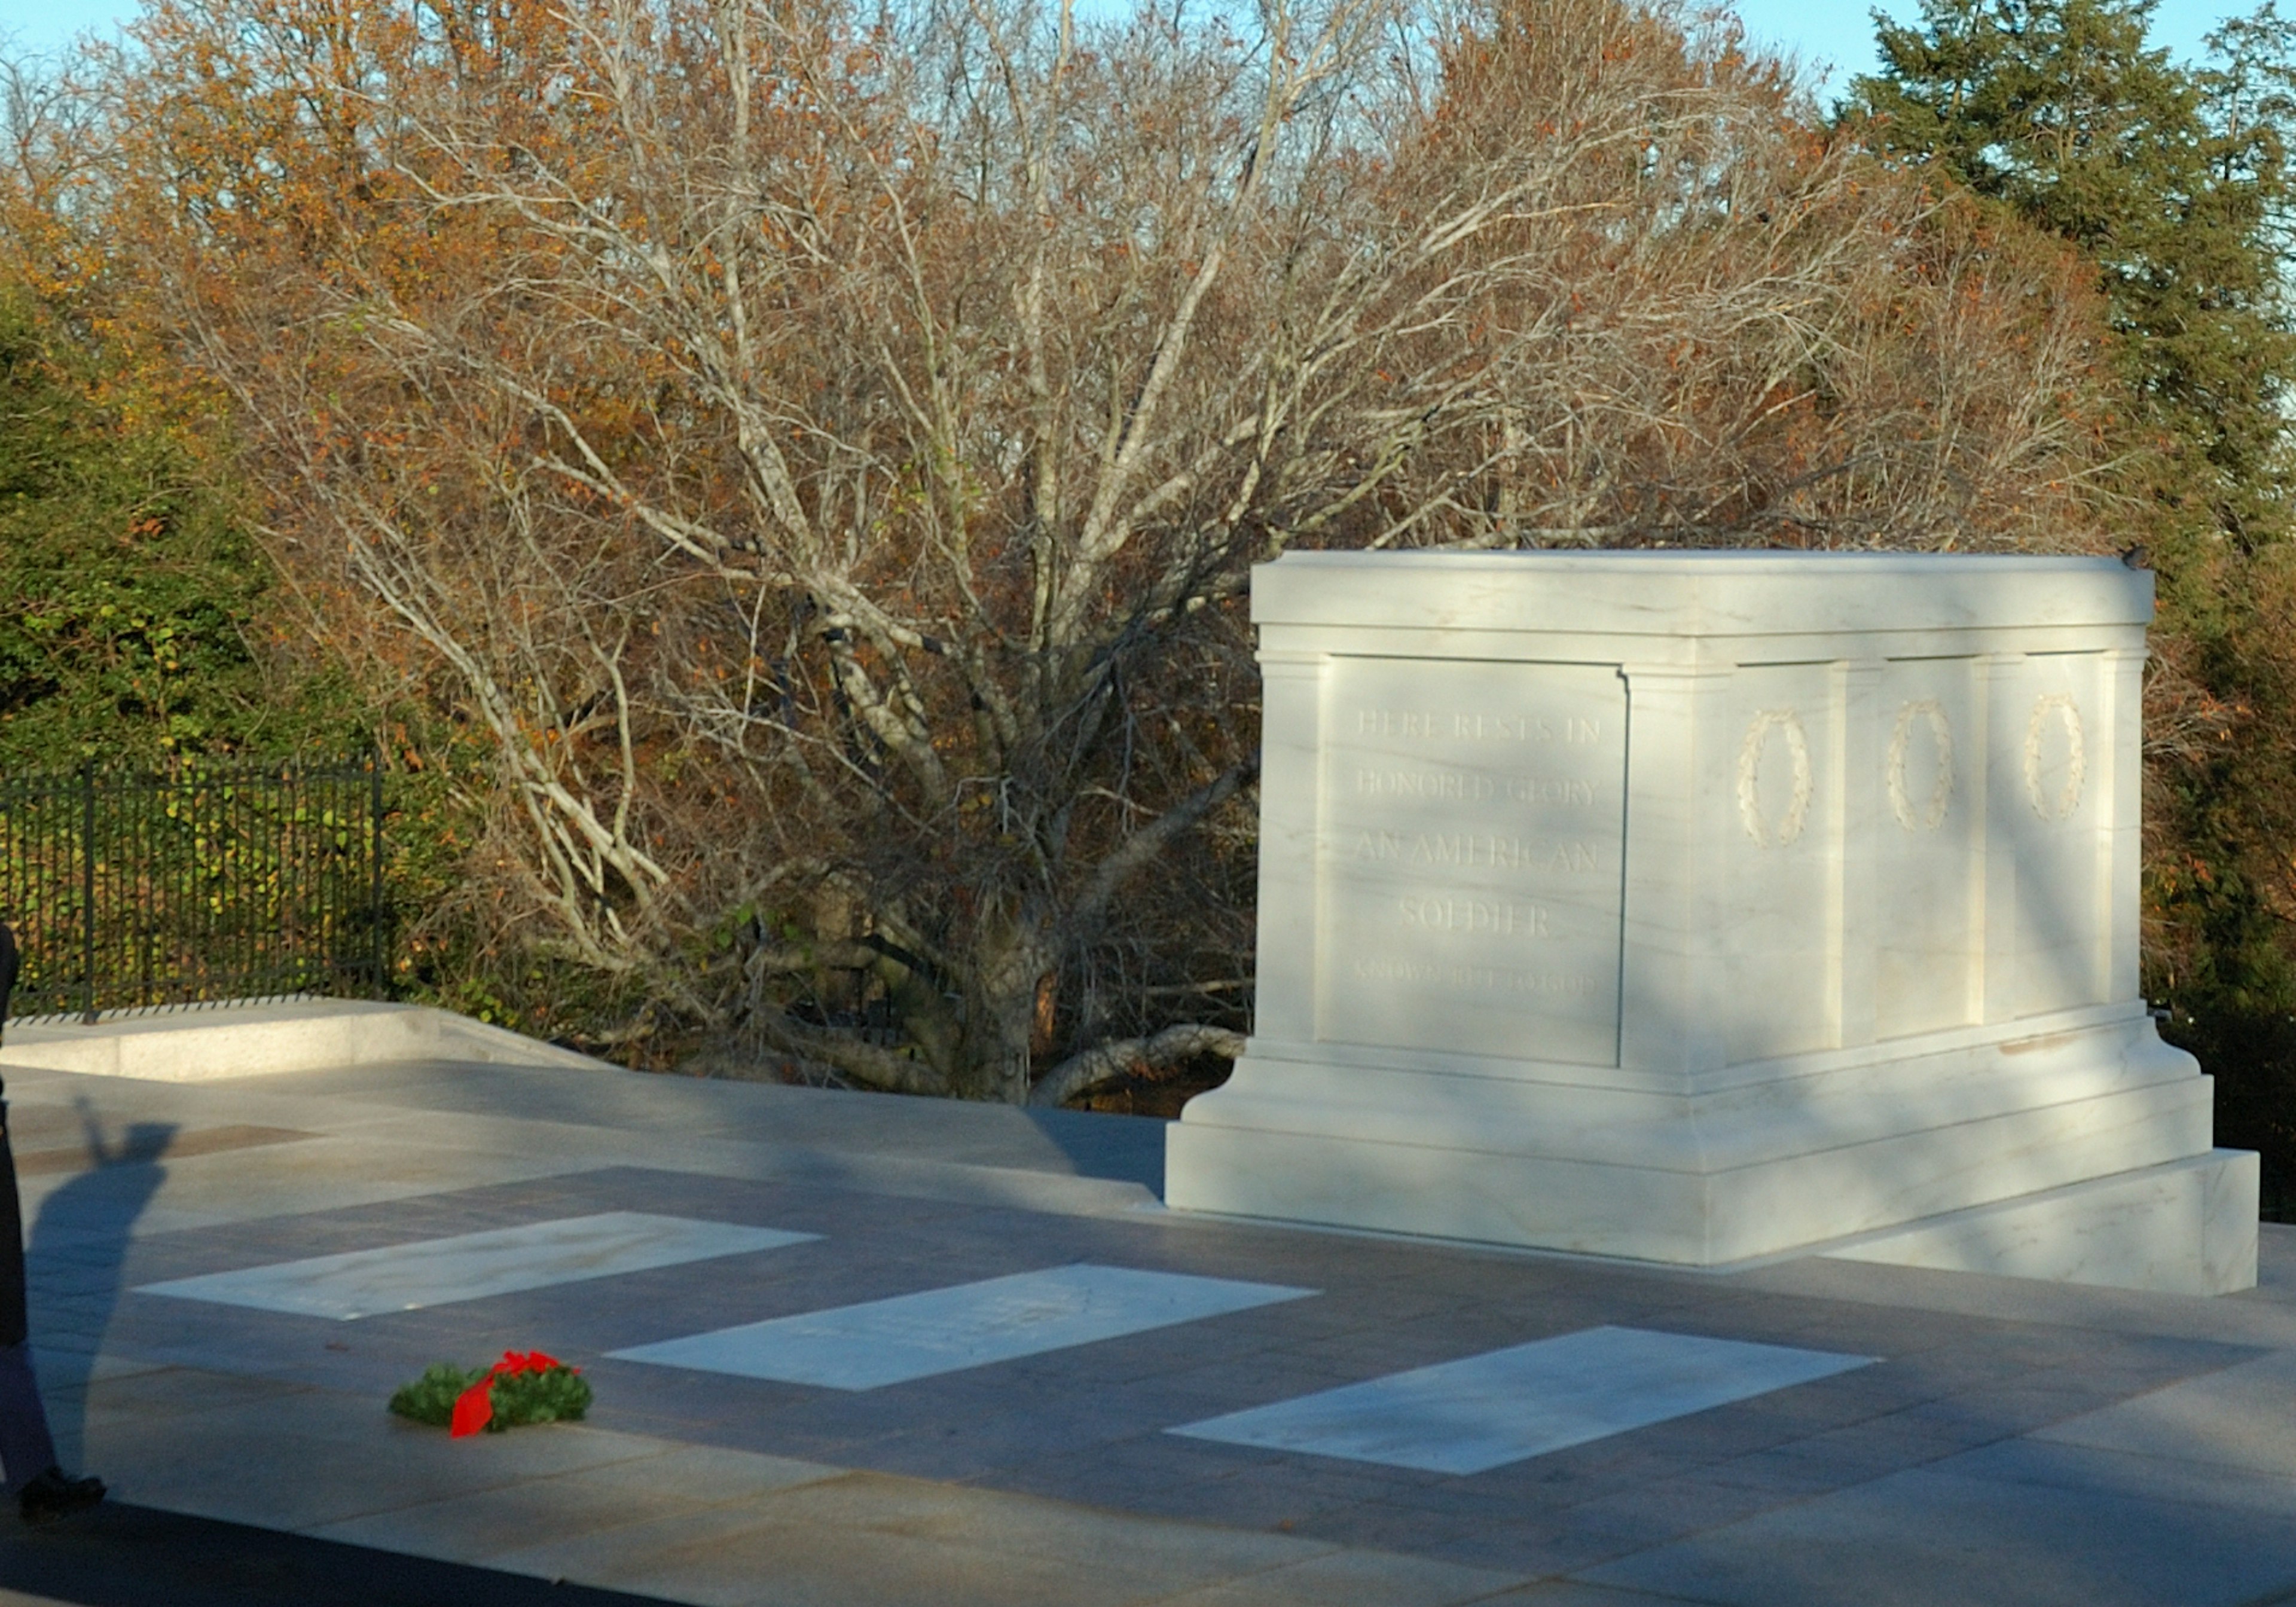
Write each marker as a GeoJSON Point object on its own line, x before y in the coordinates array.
{"type": "Point", "coordinates": [2011, 1443]}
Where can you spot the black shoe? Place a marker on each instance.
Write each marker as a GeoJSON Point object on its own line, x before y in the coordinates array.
{"type": "Point", "coordinates": [56, 1494]}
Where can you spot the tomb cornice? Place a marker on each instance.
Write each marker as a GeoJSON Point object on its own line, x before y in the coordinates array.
{"type": "Point", "coordinates": [1698, 595]}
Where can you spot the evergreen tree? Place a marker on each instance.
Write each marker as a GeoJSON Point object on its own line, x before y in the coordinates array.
{"type": "Point", "coordinates": [2175, 181]}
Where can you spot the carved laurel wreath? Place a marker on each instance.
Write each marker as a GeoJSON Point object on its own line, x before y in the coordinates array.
{"type": "Point", "coordinates": [2068, 796]}
{"type": "Point", "coordinates": [1750, 777]}
{"type": "Point", "coordinates": [1933, 815]}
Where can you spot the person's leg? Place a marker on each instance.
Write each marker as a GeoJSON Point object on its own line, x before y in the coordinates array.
{"type": "Point", "coordinates": [26, 1448]}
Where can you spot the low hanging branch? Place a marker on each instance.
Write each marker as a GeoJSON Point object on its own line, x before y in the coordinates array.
{"type": "Point", "coordinates": [1105, 1063]}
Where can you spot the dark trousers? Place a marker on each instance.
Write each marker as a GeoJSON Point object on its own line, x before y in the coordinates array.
{"type": "Point", "coordinates": [26, 1448]}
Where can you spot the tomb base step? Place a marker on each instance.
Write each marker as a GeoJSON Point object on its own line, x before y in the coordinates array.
{"type": "Point", "coordinates": [1795, 1167]}
{"type": "Point", "coordinates": [2182, 1227]}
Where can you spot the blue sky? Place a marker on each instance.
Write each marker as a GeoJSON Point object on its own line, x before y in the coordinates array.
{"type": "Point", "coordinates": [1842, 33]}
{"type": "Point", "coordinates": [1836, 31]}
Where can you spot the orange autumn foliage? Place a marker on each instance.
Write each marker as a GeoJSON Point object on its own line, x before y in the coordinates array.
{"type": "Point", "coordinates": [822, 450]}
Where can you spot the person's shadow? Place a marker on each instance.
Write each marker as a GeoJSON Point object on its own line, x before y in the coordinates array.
{"type": "Point", "coordinates": [75, 1260]}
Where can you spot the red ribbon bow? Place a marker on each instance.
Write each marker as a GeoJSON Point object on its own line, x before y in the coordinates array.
{"type": "Point", "coordinates": [474, 1407]}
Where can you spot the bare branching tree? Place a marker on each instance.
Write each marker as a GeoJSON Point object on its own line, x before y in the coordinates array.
{"type": "Point", "coordinates": [826, 450]}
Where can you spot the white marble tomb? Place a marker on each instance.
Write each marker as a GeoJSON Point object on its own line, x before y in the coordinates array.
{"type": "Point", "coordinates": [1709, 907]}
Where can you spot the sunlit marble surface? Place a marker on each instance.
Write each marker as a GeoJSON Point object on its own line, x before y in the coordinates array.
{"type": "Point", "coordinates": [890, 1341]}
{"type": "Point", "coordinates": [1703, 908]}
{"type": "Point", "coordinates": [1485, 1411]}
{"type": "Point", "coordinates": [469, 1267]}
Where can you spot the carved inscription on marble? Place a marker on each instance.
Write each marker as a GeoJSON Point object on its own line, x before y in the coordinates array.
{"type": "Point", "coordinates": [1471, 824]}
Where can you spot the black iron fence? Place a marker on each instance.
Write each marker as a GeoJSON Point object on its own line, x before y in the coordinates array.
{"type": "Point", "coordinates": [211, 880]}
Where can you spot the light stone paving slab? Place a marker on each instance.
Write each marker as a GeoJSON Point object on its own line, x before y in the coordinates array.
{"type": "Point", "coordinates": [888, 1541]}
{"type": "Point", "coordinates": [677, 1481]}
{"type": "Point", "coordinates": [469, 1267]}
{"type": "Point", "coordinates": [1482, 1411]}
{"type": "Point", "coordinates": [2241, 1418]}
{"type": "Point", "coordinates": [1571, 1593]}
{"type": "Point", "coordinates": [1358, 1579]}
{"type": "Point", "coordinates": [242, 1466]}
{"type": "Point", "coordinates": [913, 1336]}
{"type": "Point", "coordinates": [137, 1397]}
{"type": "Point", "coordinates": [321, 1174]}
{"type": "Point", "coordinates": [1058, 1531]}
{"type": "Point", "coordinates": [928, 1177]}
{"type": "Point", "coordinates": [1958, 1531]}
{"type": "Point", "coordinates": [62, 1369]}
{"type": "Point", "coordinates": [2127, 1476]}
{"type": "Point", "coordinates": [722, 1559]}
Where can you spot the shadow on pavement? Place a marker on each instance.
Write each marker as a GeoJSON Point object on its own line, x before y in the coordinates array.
{"type": "Point", "coordinates": [1123, 1149]}
{"type": "Point", "coordinates": [136, 1556]}
{"type": "Point", "coordinates": [79, 1252]}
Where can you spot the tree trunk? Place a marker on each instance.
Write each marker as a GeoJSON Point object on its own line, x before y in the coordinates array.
{"type": "Point", "coordinates": [1002, 1014]}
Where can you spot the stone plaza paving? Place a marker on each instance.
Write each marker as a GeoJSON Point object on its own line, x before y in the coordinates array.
{"type": "Point", "coordinates": [861, 1350]}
